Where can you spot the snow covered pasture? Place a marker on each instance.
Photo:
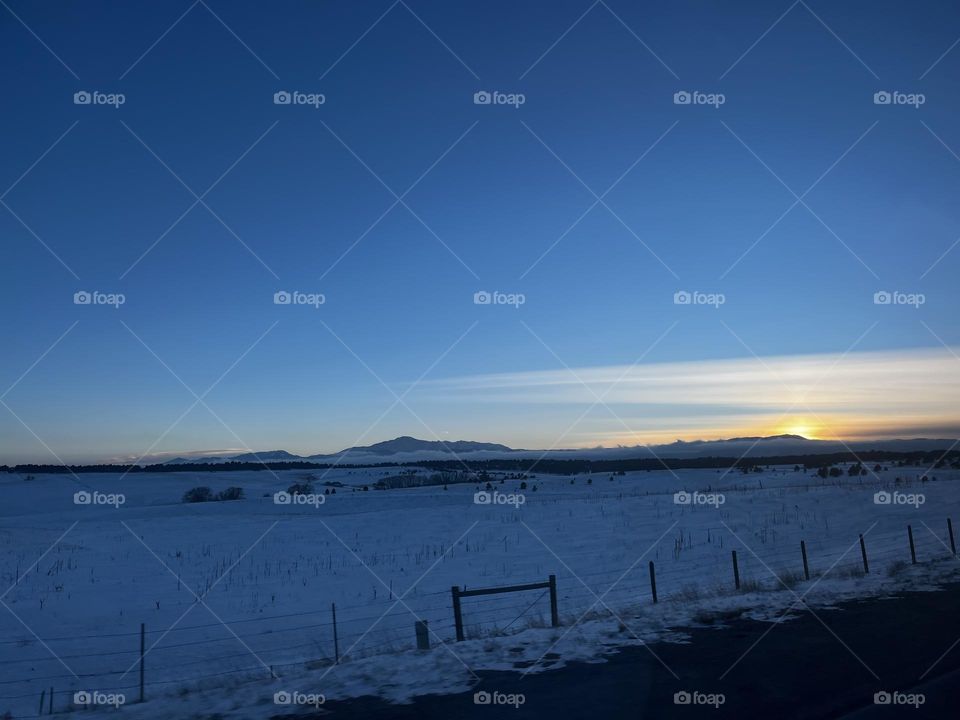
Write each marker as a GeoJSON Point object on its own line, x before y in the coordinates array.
{"type": "Point", "coordinates": [236, 595]}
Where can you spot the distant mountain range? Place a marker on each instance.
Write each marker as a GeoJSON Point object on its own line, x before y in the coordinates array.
{"type": "Point", "coordinates": [410, 449]}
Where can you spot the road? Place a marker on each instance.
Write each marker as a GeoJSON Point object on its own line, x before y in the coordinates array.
{"type": "Point", "coordinates": [827, 665]}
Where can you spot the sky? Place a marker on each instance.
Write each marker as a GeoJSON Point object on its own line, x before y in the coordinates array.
{"type": "Point", "coordinates": [776, 255]}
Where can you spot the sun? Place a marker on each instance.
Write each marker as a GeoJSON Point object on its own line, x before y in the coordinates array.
{"type": "Point", "coordinates": [798, 427]}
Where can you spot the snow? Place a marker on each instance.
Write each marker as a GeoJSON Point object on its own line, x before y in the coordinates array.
{"type": "Point", "coordinates": [267, 575]}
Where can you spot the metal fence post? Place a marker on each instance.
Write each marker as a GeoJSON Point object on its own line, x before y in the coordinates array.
{"type": "Point", "coordinates": [806, 568]}
{"type": "Point", "coordinates": [653, 582]}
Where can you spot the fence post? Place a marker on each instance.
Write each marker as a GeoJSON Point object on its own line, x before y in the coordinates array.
{"type": "Point", "coordinates": [736, 570]}
{"type": "Point", "coordinates": [806, 568]}
{"type": "Point", "coordinates": [653, 583]}
{"type": "Point", "coordinates": [336, 640]}
{"type": "Point", "coordinates": [457, 617]}
{"type": "Point", "coordinates": [863, 551]}
{"type": "Point", "coordinates": [913, 549]}
{"type": "Point", "coordinates": [43, 696]}
{"type": "Point", "coordinates": [50, 705]}
{"type": "Point", "coordinates": [423, 635]}
{"type": "Point", "coordinates": [554, 612]}
{"type": "Point", "coordinates": [143, 653]}
{"type": "Point", "coordinates": [953, 546]}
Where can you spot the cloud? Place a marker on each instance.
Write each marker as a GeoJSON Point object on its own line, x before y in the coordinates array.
{"type": "Point", "coordinates": [873, 392]}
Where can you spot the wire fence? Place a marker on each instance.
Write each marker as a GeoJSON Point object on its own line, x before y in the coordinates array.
{"type": "Point", "coordinates": [689, 566]}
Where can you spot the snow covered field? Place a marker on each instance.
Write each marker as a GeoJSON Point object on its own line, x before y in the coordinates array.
{"type": "Point", "coordinates": [236, 595]}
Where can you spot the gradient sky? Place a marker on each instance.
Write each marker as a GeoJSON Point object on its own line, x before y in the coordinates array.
{"type": "Point", "coordinates": [103, 198]}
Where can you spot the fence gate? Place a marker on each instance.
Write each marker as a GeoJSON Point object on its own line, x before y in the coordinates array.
{"type": "Point", "coordinates": [457, 593]}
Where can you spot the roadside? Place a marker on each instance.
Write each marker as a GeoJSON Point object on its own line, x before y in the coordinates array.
{"type": "Point", "coordinates": [801, 668]}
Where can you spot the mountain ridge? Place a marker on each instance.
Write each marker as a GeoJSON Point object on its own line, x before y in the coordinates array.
{"type": "Point", "coordinates": [407, 448]}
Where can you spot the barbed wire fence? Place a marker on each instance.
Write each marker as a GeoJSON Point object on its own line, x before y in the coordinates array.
{"type": "Point", "coordinates": [314, 639]}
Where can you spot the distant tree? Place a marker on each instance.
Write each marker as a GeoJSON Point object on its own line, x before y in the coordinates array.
{"type": "Point", "coordinates": [835, 472]}
{"type": "Point", "coordinates": [231, 493]}
{"type": "Point", "coordinates": [198, 494]}
{"type": "Point", "coordinates": [300, 489]}
{"type": "Point", "coordinates": [523, 486]}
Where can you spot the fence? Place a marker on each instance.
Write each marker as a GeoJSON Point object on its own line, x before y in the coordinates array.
{"type": "Point", "coordinates": [456, 594]}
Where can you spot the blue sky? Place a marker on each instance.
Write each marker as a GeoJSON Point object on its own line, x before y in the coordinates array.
{"type": "Point", "coordinates": [298, 191]}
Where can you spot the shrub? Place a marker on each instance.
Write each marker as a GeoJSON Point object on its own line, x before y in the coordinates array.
{"type": "Point", "coordinates": [231, 493]}
{"type": "Point", "coordinates": [300, 489]}
{"type": "Point", "coordinates": [198, 494]}
{"type": "Point", "coordinates": [896, 568]}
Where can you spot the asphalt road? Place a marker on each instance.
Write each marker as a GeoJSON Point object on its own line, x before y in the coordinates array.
{"type": "Point", "coordinates": [802, 668]}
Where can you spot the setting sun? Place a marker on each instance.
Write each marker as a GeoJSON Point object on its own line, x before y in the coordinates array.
{"type": "Point", "coordinates": [798, 427]}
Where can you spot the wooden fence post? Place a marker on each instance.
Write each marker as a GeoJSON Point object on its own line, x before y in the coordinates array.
{"type": "Point", "coordinates": [806, 568]}
{"type": "Point", "coordinates": [863, 551]}
{"type": "Point", "coordinates": [736, 570]}
{"type": "Point", "coordinates": [143, 653]}
{"type": "Point", "coordinates": [457, 617]}
{"type": "Point", "coordinates": [43, 696]}
{"type": "Point", "coordinates": [423, 635]}
{"type": "Point", "coordinates": [554, 611]}
{"type": "Point", "coordinates": [913, 549]}
{"type": "Point", "coordinates": [336, 639]}
{"type": "Point", "coordinates": [953, 546]}
{"type": "Point", "coordinates": [653, 583]}
{"type": "Point", "coordinates": [50, 705]}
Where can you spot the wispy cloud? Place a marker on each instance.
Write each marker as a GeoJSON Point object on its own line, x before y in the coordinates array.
{"type": "Point", "coordinates": [862, 394]}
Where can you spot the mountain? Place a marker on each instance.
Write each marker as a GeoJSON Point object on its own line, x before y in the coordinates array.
{"type": "Point", "coordinates": [407, 444]}
{"type": "Point", "coordinates": [410, 449]}
{"type": "Point", "coordinates": [270, 456]}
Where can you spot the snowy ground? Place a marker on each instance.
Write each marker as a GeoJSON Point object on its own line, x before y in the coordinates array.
{"type": "Point", "coordinates": [266, 575]}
